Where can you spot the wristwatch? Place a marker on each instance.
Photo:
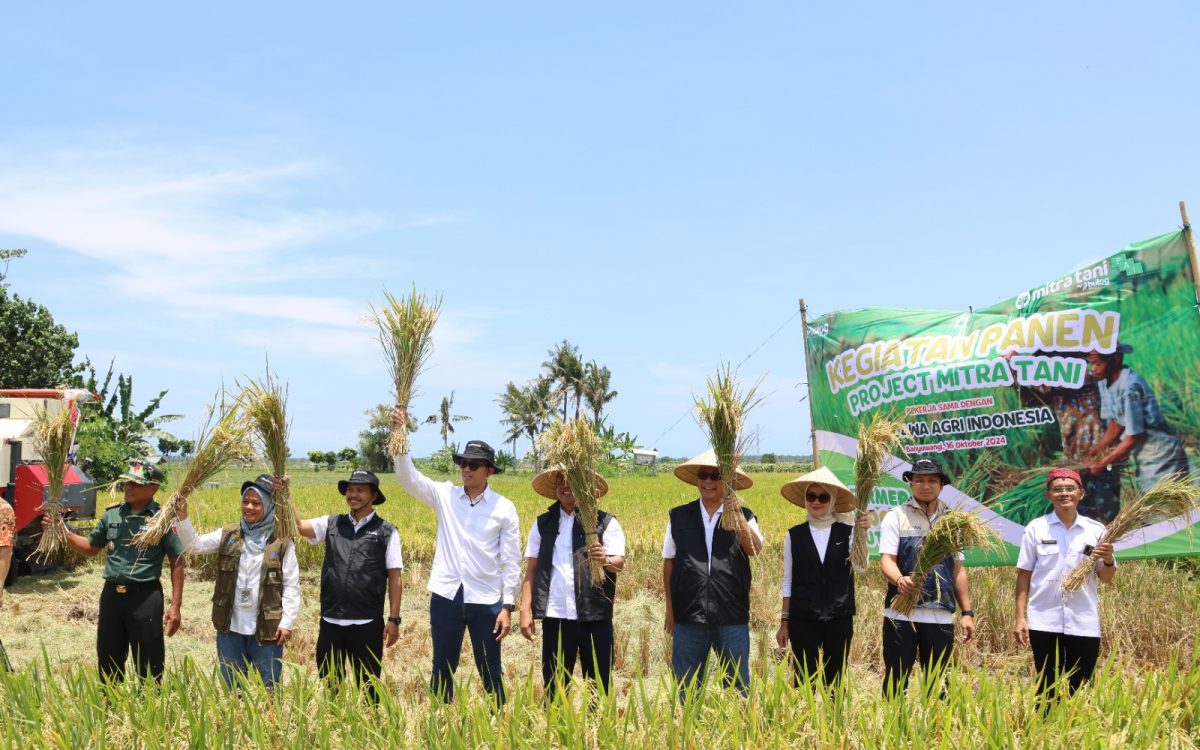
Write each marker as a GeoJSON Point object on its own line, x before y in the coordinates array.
{"type": "Point", "coordinates": [967, 613]}
{"type": "Point", "coordinates": [395, 620]}
{"type": "Point", "coordinates": [510, 607]}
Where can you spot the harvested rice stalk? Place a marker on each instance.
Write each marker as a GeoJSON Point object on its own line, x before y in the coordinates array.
{"type": "Point", "coordinates": [217, 444]}
{"type": "Point", "coordinates": [53, 435]}
{"type": "Point", "coordinates": [1174, 496]}
{"type": "Point", "coordinates": [953, 532]}
{"type": "Point", "coordinates": [877, 437]}
{"type": "Point", "coordinates": [575, 447]}
{"type": "Point", "coordinates": [406, 334]}
{"type": "Point", "coordinates": [265, 406]}
{"type": "Point", "coordinates": [722, 416]}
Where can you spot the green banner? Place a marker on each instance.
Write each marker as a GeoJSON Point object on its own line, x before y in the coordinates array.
{"type": "Point", "coordinates": [1094, 369]}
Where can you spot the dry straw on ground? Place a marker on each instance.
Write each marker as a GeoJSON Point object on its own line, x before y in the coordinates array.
{"type": "Point", "coordinates": [53, 433]}
{"type": "Point", "coordinates": [265, 406]}
{"type": "Point", "coordinates": [953, 532]}
{"type": "Point", "coordinates": [575, 447]}
{"type": "Point", "coordinates": [217, 444]}
{"type": "Point", "coordinates": [878, 436]}
{"type": "Point", "coordinates": [1172, 497]}
{"type": "Point", "coordinates": [406, 335]}
{"type": "Point", "coordinates": [722, 416]}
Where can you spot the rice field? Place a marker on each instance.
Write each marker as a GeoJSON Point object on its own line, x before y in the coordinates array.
{"type": "Point", "coordinates": [1147, 691]}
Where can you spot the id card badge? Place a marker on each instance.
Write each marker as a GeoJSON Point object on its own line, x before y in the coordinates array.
{"type": "Point", "coordinates": [243, 597]}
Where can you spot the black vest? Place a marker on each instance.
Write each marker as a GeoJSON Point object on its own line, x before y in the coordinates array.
{"type": "Point", "coordinates": [354, 576]}
{"type": "Point", "coordinates": [704, 595]}
{"type": "Point", "coordinates": [592, 602]}
{"type": "Point", "coordinates": [821, 590]}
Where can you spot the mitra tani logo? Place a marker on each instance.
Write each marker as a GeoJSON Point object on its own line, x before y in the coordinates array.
{"type": "Point", "coordinates": [1081, 280]}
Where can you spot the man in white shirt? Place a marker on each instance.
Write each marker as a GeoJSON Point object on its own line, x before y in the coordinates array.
{"type": "Point", "coordinates": [576, 610]}
{"type": "Point", "coordinates": [476, 564]}
{"type": "Point", "coordinates": [363, 560]}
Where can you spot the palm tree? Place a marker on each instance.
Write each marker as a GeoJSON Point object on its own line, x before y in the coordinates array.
{"type": "Point", "coordinates": [565, 370]}
{"type": "Point", "coordinates": [527, 411]}
{"type": "Point", "coordinates": [446, 418]}
{"type": "Point", "coordinates": [596, 381]}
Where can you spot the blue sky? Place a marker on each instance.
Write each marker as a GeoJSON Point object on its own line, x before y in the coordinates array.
{"type": "Point", "coordinates": [202, 187]}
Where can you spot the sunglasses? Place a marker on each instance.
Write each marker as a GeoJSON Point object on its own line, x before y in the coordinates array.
{"type": "Point", "coordinates": [472, 465]}
{"type": "Point", "coordinates": [813, 497]}
{"type": "Point", "coordinates": [706, 475]}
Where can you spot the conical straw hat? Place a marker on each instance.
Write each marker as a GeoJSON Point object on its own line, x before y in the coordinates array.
{"type": "Point", "coordinates": [545, 483]}
{"type": "Point", "coordinates": [844, 500]}
{"type": "Point", "coordinates": [686, 471]}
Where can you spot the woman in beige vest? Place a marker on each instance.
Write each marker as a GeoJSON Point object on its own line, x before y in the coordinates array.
{"type": "Point", "coordinates": [257, 593]}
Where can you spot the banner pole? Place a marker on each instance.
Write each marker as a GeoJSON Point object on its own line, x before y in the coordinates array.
{"type": "Point", "coordinates": [1191, 243]}
{"type": "Point", "coordinates": [812, 426]}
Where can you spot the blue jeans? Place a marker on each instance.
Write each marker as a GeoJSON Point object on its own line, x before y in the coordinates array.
{"type": "Point", "coordinates": [236, 653]}
{"type": "Point", "coordinates": [689, 654]}
{"type": "Point", "coordinates": [449, 619]}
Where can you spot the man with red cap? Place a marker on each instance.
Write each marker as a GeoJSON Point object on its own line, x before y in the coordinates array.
{"type": "Point", "coordinates": [1063, 630]}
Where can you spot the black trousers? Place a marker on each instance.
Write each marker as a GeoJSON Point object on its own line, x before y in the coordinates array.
{"type": "Point", "coordinates": [362, 645]}
{"type": "Point", "coordinates": [1056, 654]}
{"type": "Point", "coordinates": [131, 621]}
{"type": "Point", "coordinates": [810, 637]}
{"type": "Point", "coordinates": [589, 642]}
{"type": "Point", "coordinates": [904, 642]}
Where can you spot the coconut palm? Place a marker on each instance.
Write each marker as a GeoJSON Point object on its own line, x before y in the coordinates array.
{"type": "Point", "coordinates": [565, 370]}
{"type": "Point", "coordinates": [596, 382]}
{"type": "Point", "coordinates": [527, 411]}
{"type": "Point", "coordinates": [446, 419]}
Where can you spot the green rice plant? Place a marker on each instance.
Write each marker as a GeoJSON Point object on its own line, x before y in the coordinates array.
{"type": "Point", "coordinates": [878, 435]}
{"type": "Point", "coordinates": [953, 532]}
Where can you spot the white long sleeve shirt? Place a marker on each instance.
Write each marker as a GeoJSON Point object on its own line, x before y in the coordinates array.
{"type": "Point", "coordinates": [478, 544]}
{"type": "Point", "coordinates": [249, 577]}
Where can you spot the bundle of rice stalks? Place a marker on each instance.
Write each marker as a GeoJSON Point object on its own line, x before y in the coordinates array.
{"type": "Point", "coordinates": [722, 416]}
{"type": "Point", "coordinates": [265, 406]}
{"type": "Point", "coordinates": [953, 532]}
{"type": "Point", "coordinates": [575, 447]}
{"type": "Point", "coordinates": [1173, 497]}
{"type": "Point", "coordinates": [878, 436]}
{"type": "Point", "coordinates": [406, 334]}
{"type": "Point", "coordinates": [53, 435]}
{"type": "Point", "coordinates": [217, 444]}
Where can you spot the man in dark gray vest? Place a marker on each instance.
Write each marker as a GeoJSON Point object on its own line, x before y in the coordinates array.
{"type": "Point", "coordinates": [362, 562]}
{"type": "Point", "coordinates": [576, 612]}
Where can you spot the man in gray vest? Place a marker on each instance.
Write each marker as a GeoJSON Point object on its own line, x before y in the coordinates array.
{"type": "Point", "coordinates": [362, 561]}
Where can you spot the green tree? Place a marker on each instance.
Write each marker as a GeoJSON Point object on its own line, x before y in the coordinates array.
{"type": "Point", "coordinates": [167, 446]}
{"type": "Point", "coordinates": [527, 411]}
{"type": "Point", "coordinates": [37, 352]}
{"type": "Point", "coordinates": [445, 418]}
{"type": "Point", "coordinates": [347, 455]}
{"type": "Point", "coordinates": [316, 458]}
{"type": "Point", "coordinates": [565, 370]}
{"type": "Point", "coordinates": [597, 380]}
{"type": "Point", "coordinates": [186, 447]}
{"type": "Point", "coordinates": [111, 432]}
{"type": "Point", "coordinates": [373, 441]}
{"type": "Point", "coordinates": [330, 458]}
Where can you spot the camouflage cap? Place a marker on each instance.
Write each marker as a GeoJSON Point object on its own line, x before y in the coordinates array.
{"type": "Point", "coordinates": [141, 473]}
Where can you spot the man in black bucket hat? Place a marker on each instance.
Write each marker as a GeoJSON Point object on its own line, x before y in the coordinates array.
{"type": "Point", "coordinates": [476, 563]}
{"type": "Point", "coordinates": [363, 560]}
{"type": "Point", "coordinates": [928, 631]}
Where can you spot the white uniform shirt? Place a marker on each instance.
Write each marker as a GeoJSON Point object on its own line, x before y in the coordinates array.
{"type": "Point", "coordinates": [393, 557]}
{"type": "Point", "coordinates": [1051, 551]}
{"type": "Point", "coordinates": [820, 538]}
{"type": "Point", "coordinates": [889, 544]}
{"type": "Point", "coordinates": [249, 577]}
{"type": "Point", "coordinates": [560, 602]}
{"type": "Point", "coordinates": [478, 544]}
{"type": "Point", "coordinates": [710, 525]}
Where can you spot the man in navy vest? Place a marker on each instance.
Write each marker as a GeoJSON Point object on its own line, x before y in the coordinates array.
{"type": "Point", "coordinates": [576, 612]}
{"type": "Point", "coordinates": [929, 631]}
{"type": "Point", "coordinates": [706, 575]}
{"type": "Point", "coordinates": [363, 561]}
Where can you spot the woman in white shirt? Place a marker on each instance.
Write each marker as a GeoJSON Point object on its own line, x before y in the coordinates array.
{"type": "Point", "coordinates": [818, 580]}
{"type": "Point", "coordinates": [1063, 629]}
{"type": "Point", "coordinates": [256, 597]}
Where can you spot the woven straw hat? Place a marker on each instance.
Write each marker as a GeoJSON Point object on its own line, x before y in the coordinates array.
{"type": "Point", "coordinates": [844, 500]}
{"type": "Point", "coordinates": [545, 483]}
{"type": "Point", "coordinates": [686, 471]}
